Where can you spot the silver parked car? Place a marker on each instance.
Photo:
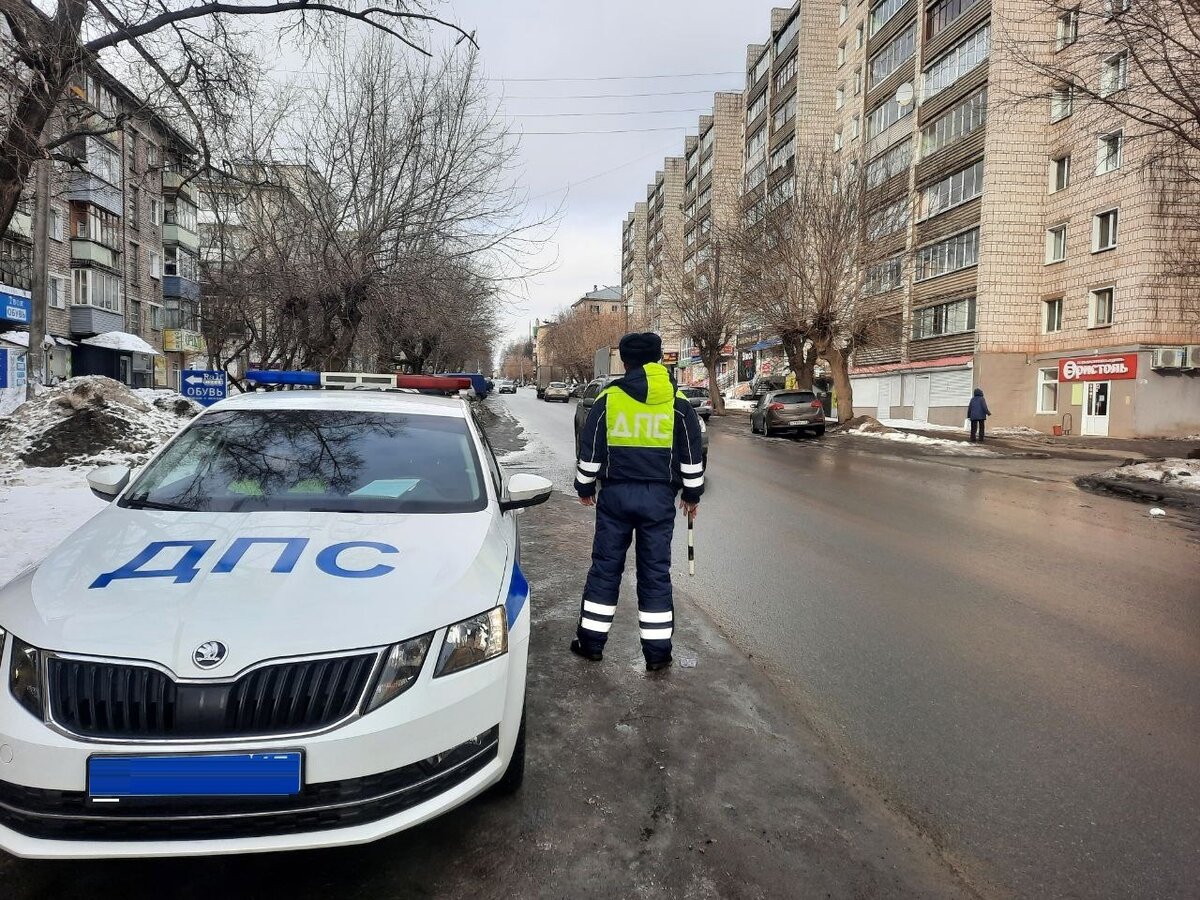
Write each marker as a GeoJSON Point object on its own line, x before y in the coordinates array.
{"type": "Point", "coordinates": [780, 412]}
{"type": "Point", "coordinates": [557, 390]}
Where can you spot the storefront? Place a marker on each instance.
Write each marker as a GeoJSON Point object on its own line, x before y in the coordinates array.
{"type": "Point", "coordinates": [930, 392]}
{"type": "Point", "coordinates": [116, 354]}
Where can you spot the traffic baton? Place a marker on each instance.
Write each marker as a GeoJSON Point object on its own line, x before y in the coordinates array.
{"type": "Point", "coordinates": [691, 517]}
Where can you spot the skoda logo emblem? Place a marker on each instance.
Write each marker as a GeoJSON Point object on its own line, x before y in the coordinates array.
{"type": "Point", "coordinates": [209, 655]}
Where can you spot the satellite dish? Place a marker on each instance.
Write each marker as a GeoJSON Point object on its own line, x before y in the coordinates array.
{"type": "Point", "coordinates": [905, 94]}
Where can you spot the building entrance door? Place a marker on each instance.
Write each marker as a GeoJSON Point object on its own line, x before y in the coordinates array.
{"type": "Point", "coordinates": [921, 399]}
{"type": "Point", "coordinates": [125, 366]}
{"type": "Point", "coordinates": [1095, 409]}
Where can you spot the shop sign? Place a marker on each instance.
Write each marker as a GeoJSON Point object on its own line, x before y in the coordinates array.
{"type": "Point", "coordinates": [12, 368]}
{"type": "Point", "coordinates": [15, 308]}
{"type": "Point", "coordinates": [1121, 367]}
{"type": "Point", "coordinates": [670, 358]}
{"type": "Point", "coordinates": [181, 340]}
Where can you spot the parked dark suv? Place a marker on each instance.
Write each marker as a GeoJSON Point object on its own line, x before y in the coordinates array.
{"type": "Point", "coordinates": [780, 412]}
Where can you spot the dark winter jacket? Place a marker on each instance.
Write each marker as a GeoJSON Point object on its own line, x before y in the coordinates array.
{"type": "Point", "coordinates": [681, 464]}
{"type": "Point", "coordinates": [978, 410]}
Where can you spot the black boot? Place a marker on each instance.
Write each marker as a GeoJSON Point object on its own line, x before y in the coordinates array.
{"type": "Point", "coordinates": [579, 650]}
{"type": "Point", "coordinates": [658, 664]}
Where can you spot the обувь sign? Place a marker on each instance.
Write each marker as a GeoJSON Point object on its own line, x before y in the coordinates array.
{"type": "Point", "coordinates": [1099, 368]}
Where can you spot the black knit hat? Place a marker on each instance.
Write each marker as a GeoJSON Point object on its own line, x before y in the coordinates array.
{"type": "Point", "coordinates": [639, 349]}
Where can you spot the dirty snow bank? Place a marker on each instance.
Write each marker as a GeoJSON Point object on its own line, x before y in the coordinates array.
{"type": "Point", "coordinates": [90, 421]}
{"type": "Point", "coordinates": [1182, 473]}
{"type": "Point", "coordinates": [868, 426]}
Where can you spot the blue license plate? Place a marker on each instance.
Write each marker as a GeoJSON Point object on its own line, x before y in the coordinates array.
{"type": "Point", "coordinates": [111, 778]}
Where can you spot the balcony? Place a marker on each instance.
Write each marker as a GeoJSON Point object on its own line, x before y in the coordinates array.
{"type": "Point", "coordinates": [88, 320]}
{"type": "Point", "coordinates": [21, 225]}
{"type": "Point", "coordinates": [175, 183]}
{"type": "Point", "coordinates": [177, 234]}
{"type": "Point", "coordinates": [177, 286]}
{"type": "Point", "coordinates": [84, 250]}
{"type": "Point", "coordinates": [86, 188]}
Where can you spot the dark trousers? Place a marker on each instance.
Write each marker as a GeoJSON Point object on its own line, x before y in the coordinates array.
{"type": "Point", "coordinates": [623, 511]}
{"type": "Point", "coordinates": [977, 429]}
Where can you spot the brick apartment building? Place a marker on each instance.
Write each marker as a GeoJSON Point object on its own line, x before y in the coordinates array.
{"type": "Point", "coordinates": [1031, 247]}
{"type": "Point", "coordinates": [664, 244]}
{"type": "Point", "coordinates": [122, 296]}
{"type": "Point", "coordinates": [633, 263]}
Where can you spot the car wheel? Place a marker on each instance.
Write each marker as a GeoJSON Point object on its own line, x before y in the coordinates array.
{"type": "Point", "coordinates": [819, 432]}
{"type": "Point", "coordinates": [753, 427]}
{"type": "Point", "coordinates": [510, 781]}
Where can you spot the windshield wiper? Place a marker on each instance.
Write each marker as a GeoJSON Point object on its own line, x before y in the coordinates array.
{"type": "Point", "coordinates": [143, 503]}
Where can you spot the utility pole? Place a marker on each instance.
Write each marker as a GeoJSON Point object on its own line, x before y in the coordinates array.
{"type": "Point", "coordinates": [36, 357]}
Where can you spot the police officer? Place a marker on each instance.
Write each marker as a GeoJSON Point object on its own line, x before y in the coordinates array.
{"type": "Point", "coordinates": [642, 443]}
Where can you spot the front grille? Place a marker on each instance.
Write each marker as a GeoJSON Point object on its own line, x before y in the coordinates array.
{"type": "Point", "coordinates": [121, 701]}
{"type": "Point", "coordinates": [67, 815]}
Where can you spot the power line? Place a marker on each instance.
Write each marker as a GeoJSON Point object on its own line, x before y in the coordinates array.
{"type": "Point", "coordinates": [620, 96]}
{"type": "Point", "coordinates": [624, 165]}
{"type": "Point", "coordinates": [614, 131]}
{"type": "Point", "coordinates": [621, 77]}
{"type": "Point", "coordinates": [628, 112]}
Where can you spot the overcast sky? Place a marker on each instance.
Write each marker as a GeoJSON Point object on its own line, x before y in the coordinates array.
{"type": "Point", "coordinates": [605, 173]}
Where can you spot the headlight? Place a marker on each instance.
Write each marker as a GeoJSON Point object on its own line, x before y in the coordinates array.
{"type": "Point", "coordinates": [400, 670]}
{"type": "Point", "coordinates": [473, 641]}
{"type": "Point", "coordinates": [25, 677]}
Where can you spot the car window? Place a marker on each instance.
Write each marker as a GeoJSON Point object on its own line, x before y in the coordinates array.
{"type": "Point", "coordinates": [557, 384]}
{"type": "Point", "coordinates": [316, 460]}
{"type": "Point", "coordinates": [593, 390]}
{"type": "Point", "coordinates": [695, 392]}
{"type": "Point", "coordinates": [490, 456]}
{"type": "Point", "coordinates": [795, 397]}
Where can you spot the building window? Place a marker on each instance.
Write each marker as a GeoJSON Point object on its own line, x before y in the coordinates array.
{"type": "Point", "coordinates": [758, 70]}
{"type": "Point", "coordinates": [1100, 308]}
{"type": "Point", "coordinates": [841, 54]}
{"type": "Point", "coordinates": [896, 53]}
{"type": "Point", "coordinates": [839, 97]}
{"type": "Point", "coordinates": [58, 226]}
{"type": "Point", "coordinates": [884, 116]}
{"type": "Point", "coordinates": [783, 154]}
{"type": "Point", "coordinates": [156, 212]}
{"type": "Point", "coordinates": [1116, 7]}
{"type": "Point", "coordinates": [858, 80]}
{"type": "Point", "coordinates": [57, 286]}
{"type": "Point", "coordinates": [858, 36]}
{"type": "Point", "coordinates": [942, 15]}
{"type": "Point", "coordinates": [784, 114]}
{"type": "Point", "coordinates": [886, 276]}
{"type": "Point", "coordinates": [888, 220]}
{"type": "Point", "coordinates": [1052, 315]}
{"type": "Point", "coordinates": [1114, 74]}
{"type": "Point", "coordinates": [785, 74]}
{"type": "Point", "coordinates": [757, 141]}
{"type": "Point", "coordinates": [155, 264]}
{"type": "Point", "coordinates": [1047, 390]}
{"type": "Point", "coordinates": [1060, 173]}
{"type": "Point", "coordinates": [1108, 152]}
{"type": "Point", "coordinates": [94, 287]}
{"type": "Point", "coordinates": [882, 12]}
{"type": "Point", "coordinates": [16, 264]}
{"type": "Point", "coordinates": [955, 317]}
{"type": "Point", "coordinates": [958, 122]}
{"type": "Point", "coordinates": [785, 36]}
{"type": "Point", "coordinates": [1067, 29]}
{"type": "Point", "coordinates": [953, 190]}
{"type": "Point", "coordinates": [156, 317]}
{"type": "Point", "coordinates": [893, 161]}
{"type": "Point", "coordinates": [95, 224]}
{"type": "Point", "coordinates": [843, 11]}
{"type": "Point", "coordinates": [182, 213]}
{"type": "Point", "coordinates": [135, 316]}
{"type": "Point", "coordinates": [135, 262]}
{"type": "Point", "coordinates": [755, 109]}
{"type": "Point", "coordinates": [950, 255]}
{"type": "Point", "coordinates": [838, 140]}
{"type": "Point", "coordinates": [135, 205]}
{"type": "Point", "coordinates": [1056, 244]}
{"type": "Point", "coordinates": [1061, 101]}
{"type": "Point", "coordinates": [1104, 230]}
{"type": "Point", "coordinates": [957, 62]}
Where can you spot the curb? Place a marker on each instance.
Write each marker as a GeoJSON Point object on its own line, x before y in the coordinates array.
{"type": "Point", "coordinates": [1140, 491]}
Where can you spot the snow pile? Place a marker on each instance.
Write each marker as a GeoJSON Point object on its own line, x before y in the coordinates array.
{"type": "Point", "coordinates": [121, 340]}
{"type": "Point", "coordinates": [868, 426]}
{"type": "Point", "coordinates": [733, 403]}
{"type": "Point", "coordinates": [1017, 431]}
{"type": "Point", "coordinates": [1182, 473]}
{"type": "Point", "coordinates": [43, 506]}
{"type": "Point", "coordinates": [91, 420]}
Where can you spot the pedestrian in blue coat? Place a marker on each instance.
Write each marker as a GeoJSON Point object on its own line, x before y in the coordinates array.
{"type": "Point", "coordinates": [978, 412]}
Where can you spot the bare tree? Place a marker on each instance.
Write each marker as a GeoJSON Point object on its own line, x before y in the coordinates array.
{"type": "Point", "coordinates": [814, 251]}
{"type": "Point", "coordinates": [576, 336]}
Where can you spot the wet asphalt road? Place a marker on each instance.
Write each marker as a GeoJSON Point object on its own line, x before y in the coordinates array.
{"type": "Point", "coordinates": [1015, 665]}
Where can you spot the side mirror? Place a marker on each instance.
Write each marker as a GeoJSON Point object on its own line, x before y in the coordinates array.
{"type": "Point", "coordinates": [525, 490]}
{"type": "Point", "coordinates": [108, 481]}
{"type": "Point", "coordinates": [587, 402]}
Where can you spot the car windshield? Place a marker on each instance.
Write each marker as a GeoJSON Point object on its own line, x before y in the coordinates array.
{"type": "Point", "coordinates": [316, 460]}
{"type": "Point", "coordinates": [695, 393]}
{"type": "Point", "coordinates": [557, 384]}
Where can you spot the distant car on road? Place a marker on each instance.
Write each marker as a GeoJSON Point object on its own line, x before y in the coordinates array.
{"type": "Point", "coordinates": [592, 390]}
{"type": "Point", "coordinates": [506, 386]}
{"type": "Point", "coordinates": [557, 390]}
{"type": "Point", "coordinates": [700, 400]}
{"type": "Point", "coordinates": [578, 389]}
{"type": "Point", "coordinates": [793, 411]}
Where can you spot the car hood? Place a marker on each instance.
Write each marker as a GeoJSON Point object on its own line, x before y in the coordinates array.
{"type": "Point", "coordinates": [100, 593]}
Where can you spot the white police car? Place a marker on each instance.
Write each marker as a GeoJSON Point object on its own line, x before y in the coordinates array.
{"type": "Point", "coordinates": [302, 624]}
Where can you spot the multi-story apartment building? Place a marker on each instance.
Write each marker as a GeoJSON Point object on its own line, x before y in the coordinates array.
{"type": "Point", "coordinates": [1028, 249]}
{"type": "Point", "coordinates": [105, 261]}
{"type": "Point", "coordinates": [664, 246]}
{"type": "Point", "coordinates": [633, 263]}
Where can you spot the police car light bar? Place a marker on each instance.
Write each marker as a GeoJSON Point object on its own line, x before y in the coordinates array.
{"type": "Point", "coordinates": [359, 380]}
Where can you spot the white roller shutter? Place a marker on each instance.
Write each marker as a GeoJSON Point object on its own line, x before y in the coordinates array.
{"type": "Point", "coordinates": [950, 388]}
{"type": "Point", "coordinates": [866, 391]}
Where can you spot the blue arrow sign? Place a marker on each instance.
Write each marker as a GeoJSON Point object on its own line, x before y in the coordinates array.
{"type": "Point", "coordinates": [205, 386]}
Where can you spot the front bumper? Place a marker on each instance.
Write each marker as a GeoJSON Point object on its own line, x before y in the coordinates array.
{"type": "Point", "coordinates": [428, 751]}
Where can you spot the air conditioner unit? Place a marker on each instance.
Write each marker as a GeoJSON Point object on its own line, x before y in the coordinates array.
{"type": "Point", "coordinates": [1167, 358]}
{"type": "Point", "coordinates": [1192, 358]}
